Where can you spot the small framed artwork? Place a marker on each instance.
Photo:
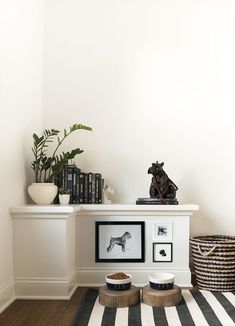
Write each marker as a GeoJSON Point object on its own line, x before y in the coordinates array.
{"type": "Point", "coordinates": [120, 242]}
{"type": "Point", "coordinates": [162, 252]}
{"type": "Point", "coordinates": [162, 231]}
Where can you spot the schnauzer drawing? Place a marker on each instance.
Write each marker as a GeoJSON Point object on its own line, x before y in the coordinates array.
{"type": "Point", "coordinates": [120, 241]}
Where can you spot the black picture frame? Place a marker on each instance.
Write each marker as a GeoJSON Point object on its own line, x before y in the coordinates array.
{"type": "Point", "coordinates": [112, 251]}
{"type": "Point", "coordinates": [162, 252]}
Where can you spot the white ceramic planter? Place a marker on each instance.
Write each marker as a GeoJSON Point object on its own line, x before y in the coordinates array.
{"type": "Point", "coordinates": [42, 193]}
{"type": "Point", "coordinates": [64, 199]}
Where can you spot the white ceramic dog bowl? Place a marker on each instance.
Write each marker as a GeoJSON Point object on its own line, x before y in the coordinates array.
{"type": "Point", "coordinates": [118, 284]}
{"type": "Point", "coordinates": [161, 281]}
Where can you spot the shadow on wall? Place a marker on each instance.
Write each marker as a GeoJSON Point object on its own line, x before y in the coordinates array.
{"type": "Point", "coordinates": [191, 191]}
{"type": "Point", "coordinates": [202, 222]}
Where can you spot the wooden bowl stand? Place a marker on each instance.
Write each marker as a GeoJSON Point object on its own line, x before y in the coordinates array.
{"type": "Point", "coordinates": [162, 298]}
{"type": "Point", "coordinates": [119, 299]}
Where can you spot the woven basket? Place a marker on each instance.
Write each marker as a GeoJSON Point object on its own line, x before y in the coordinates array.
{"type": "Point", "coordinates": [214, 262]}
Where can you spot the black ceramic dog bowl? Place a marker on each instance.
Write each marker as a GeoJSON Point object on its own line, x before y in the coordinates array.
{"type": "Point", "coordinates": [161, 281]}
{"type": "Point", "coordinates": [118, 284]}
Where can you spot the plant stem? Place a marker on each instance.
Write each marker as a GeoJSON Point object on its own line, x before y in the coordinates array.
{"type": "Point", "coordinates": [59, 143]}
{"type": "Point", "coordinates": [39, 179]}
{"type": "Point", "coordinates": [36, 165]}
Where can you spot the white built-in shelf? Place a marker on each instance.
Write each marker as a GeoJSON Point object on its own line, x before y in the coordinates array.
{"type": "Point", "coordinates": [54, 246]}
{"type": "Point", "coordinates": [105, 209]}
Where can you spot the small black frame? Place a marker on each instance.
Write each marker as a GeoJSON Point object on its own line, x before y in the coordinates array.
{"type": "Point", "coordinates": [162, 252]}
{"type": "Point", "coordinates": [112, 246]}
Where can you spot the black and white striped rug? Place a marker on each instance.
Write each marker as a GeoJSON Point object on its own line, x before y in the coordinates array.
{"type": "Point", "coordinates": [196, 308]}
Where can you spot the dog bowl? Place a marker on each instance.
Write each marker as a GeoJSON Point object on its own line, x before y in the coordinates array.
{"type": "Point", "coordinates": [118, 284]}
{"type": "Point", "coordinates": [161, 281]}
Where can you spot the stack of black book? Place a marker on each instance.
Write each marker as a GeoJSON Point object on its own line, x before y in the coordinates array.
{"type": "Point", "coordinates": [157, 201]}
{"type": "Point", "coordinates": [85, 188]}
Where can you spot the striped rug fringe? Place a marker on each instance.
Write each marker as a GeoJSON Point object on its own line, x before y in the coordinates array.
{"type": "Point", "coordinates": [198, 308]}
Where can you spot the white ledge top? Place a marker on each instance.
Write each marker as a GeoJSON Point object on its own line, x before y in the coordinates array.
{"type": "Point", "coordinates": [104, 208]}
{"type": "Point", "coordinates": [43, 209]}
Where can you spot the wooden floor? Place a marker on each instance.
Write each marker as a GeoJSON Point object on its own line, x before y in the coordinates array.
{"type": "Point", "coordinates": [42, 312]}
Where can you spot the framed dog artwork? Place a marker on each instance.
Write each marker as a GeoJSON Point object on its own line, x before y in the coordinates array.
{"type": "Point", "coordinates": [162, 252]}
{"type": "Point", "coordinates": [120, 241]}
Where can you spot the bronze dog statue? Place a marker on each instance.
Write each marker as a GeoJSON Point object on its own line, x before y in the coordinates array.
{"type": "Point", "coordinates": [162, 187]}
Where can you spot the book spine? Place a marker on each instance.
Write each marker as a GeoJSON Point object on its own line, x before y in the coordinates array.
{"type": "Point", "coordinates": [98, 197]}
{"type": "Point", "coordinates": [86, 200]}
{"type": "Point", "coordinates": [65, 173]}
{"type": "Point", "coordinates": [93, 188]}
{"type": "Point", "coordinates": [81, 188]}
{"type": "Point", "coordinates": [89, 187]}
{"type": "Point", "coordinates": [78, 188]}
{"type": "Point", "coordinates": [102, 187]}
{"type": "Point", "coordinates": [70, 182]}
{"type": "Point", "coordinates": [74, 192]}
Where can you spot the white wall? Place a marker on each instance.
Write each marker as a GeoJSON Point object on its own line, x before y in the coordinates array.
{"type": "Point", "coordinates": [21, 53]}
{"type": "Point", "coordinates": [155, 79]}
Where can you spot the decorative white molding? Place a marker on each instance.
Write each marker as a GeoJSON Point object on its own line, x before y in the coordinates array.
{"type": "Point", "coordinates": [46, 288]}
{"type": "Point", "coordinates": [51, 212]}
{"type": "Point", "coordinates": [96, 277]}
{"type": "Point", "coordinates": [101, 209]}
{"type": "Point", "coordinates": [43, 209]}
{"type": "Point", "coordinates": [137, 210]}
{"type": "Point", "coordinates": [7, 294]}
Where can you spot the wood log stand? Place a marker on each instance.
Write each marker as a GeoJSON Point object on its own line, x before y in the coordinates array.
{"type": "Point", "coordinates": [119, 299]}
{"type": "Point", "coordinates": [162, 298]}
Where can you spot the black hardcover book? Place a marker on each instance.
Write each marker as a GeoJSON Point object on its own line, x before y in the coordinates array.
{"type": "Point", "coordinates": [156, 201]}
{"type": "Point", "coordinates": [93, 188]}
{"type": "Point", "coordinates": [70, 181]}
{"type": "Point", "coordinates": [89, 187]}
{"type": "Point", "coordinates": [78, 188]}
{"type": "Point", "coordinates": [102, 187]}
{"type": "Point", "coordinates": [98, 190]}
{"type": "Point", "coordinates": [81, 187]}
{"type": "Point", "coordinates": [86, 200]}
{"type": "Point", "coordinates": [74, 195]}
{"type": "Point", "coordinates": [64, 178]}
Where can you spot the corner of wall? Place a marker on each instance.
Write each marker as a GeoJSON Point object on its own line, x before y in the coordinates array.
{"type": "Point", "coordinates": [7, 294]}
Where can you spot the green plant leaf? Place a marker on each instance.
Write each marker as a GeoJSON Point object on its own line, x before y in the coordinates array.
{"type": "Point", "coordinates": [48, 168]}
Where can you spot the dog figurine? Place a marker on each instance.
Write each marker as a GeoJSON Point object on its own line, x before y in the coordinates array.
{"type": "Point", "coordinates": [162, 187]}
{"type": "Point", "coordinates": [105, 194]}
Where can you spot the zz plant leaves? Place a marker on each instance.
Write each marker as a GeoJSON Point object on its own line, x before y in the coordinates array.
{"type": "Point", "coordinates": [47, 168]}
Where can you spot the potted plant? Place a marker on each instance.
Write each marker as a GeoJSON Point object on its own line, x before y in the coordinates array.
{"type": "Point", "coordinates": [64, 196]}
{"type": "Point", "coordinates": [48, 168]}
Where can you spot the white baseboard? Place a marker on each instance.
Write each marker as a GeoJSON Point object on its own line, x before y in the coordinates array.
{"type": "Point", "coordinates": [96, 277]}
{"type": "Point", "coordinates": [7, 295]}
{"type": "Point", "coordinates": [46, 288]}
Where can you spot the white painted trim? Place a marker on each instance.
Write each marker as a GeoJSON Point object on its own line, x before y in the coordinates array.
{"type": "Point", "coordinates": [137, 210]}
{"type": "Point", "coordinates": [185, 286]}
{"type": "Point", "coordinates": [7, 294]}
{"type": "Point", "coordinates": [38, 211]}
{"type": "Point", "coordinates": [95, 277]}
{"type": "Point", "coordinates": [41, 297]}
{"type": "Point", "coordinates": [139, 270]}
{"type": "Point", "coordinates": [44, 209]}
{"type": "Point", "coordinates": [46, 288]}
